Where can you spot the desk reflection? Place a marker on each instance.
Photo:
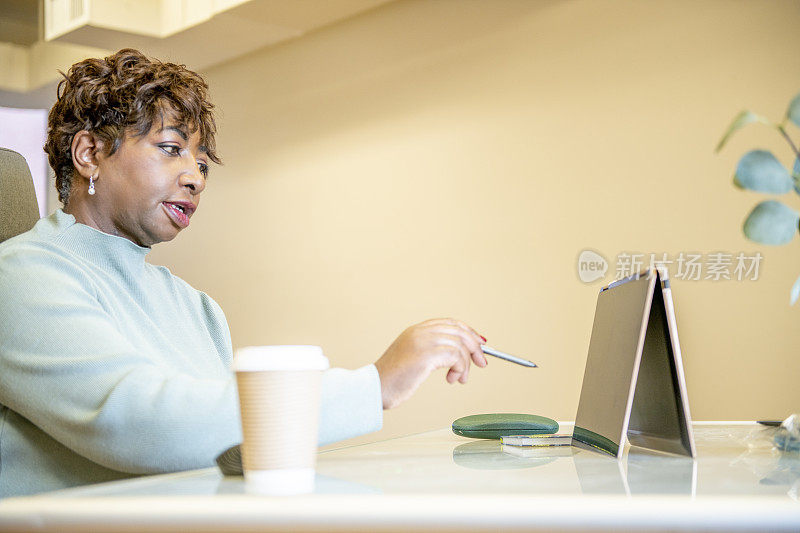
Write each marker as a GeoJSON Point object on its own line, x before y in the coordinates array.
{"type": "Point", "coordinates": [442, 463]}
{"type": "Point", "coordinates": [599, 473]}
{"type": "Point", "coordinates": [488, 466]}
{"type": "Point", "coordinates": [487, 455]}
{"type": "Point", "coordinates": [659, 474]}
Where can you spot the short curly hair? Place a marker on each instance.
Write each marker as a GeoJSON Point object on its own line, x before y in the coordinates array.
{"type": "Point", "coordinates": [124, 93]}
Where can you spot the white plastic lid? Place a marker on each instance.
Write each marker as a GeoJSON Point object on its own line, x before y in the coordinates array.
{"type": "Point", "coordinates": [285, 357]}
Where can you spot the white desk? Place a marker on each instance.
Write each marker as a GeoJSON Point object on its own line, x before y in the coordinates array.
{"type": "Point", "coordinates": [439, 480]}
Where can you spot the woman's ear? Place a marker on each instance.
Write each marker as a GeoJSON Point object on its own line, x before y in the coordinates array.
{"type": "Point", "coordinates": [85, 148]}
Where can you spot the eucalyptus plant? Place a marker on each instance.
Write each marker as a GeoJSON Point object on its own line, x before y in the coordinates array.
{"type": "Point", "coordinates": [770, 221]}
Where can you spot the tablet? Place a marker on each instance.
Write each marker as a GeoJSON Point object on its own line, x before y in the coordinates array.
{"type": "Point", "coordinates": [633, 385]}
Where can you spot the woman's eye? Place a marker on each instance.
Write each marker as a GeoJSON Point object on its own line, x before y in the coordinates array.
{"type": "Point", "coordinates": [171, 149]}
{"type": "Point", "coordinates": [203, 169]}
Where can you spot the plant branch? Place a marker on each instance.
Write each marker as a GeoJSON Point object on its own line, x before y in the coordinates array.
{"type": "Point", "coordinates": [789, 140]}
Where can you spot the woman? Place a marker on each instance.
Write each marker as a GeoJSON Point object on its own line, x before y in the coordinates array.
{"type": "Point", "coordinates": [112, 367]}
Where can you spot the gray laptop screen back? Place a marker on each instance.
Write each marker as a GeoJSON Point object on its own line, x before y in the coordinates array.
{"type": "Point", "coordinates": [608, 378]}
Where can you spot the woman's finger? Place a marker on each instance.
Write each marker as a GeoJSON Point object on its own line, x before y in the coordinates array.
{"type": "Point", "coordinates": [473, 345]}
{"type": "Point", "coordinates": [457, 357]}
{"type": "Point", "coordinates": [459, 324]}
{"type": "Point", "coordinates": [477, 336]}
{"type": "Point", "coordinates": [452, 376]}
{"type": "Point", "coordinates": [458, 353]}
{"type": "Point", "coordinates": [465, 374]}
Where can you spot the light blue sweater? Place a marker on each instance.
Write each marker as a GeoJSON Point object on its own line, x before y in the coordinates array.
{"type": "Point", "coordinates": [112, 367]}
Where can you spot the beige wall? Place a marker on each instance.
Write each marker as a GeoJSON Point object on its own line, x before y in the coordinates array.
{"type": "Point", "coordinates": [452, 158]}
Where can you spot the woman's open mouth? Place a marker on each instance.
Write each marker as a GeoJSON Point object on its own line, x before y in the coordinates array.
{"type": "Point", "coordinates": [179, 212]}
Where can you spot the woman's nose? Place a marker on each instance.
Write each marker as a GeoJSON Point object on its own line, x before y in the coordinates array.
{"type": "Point", "coordinates": [191, 177]}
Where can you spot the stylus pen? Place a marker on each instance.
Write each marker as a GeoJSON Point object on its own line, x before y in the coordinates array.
{"type": "Point", "coordinates": [507, 357]}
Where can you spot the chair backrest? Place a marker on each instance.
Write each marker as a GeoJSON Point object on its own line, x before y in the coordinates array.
{"type": "Point", "coordinates": [18, 208]}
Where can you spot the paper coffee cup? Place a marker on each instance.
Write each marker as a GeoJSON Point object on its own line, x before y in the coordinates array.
{"type": "Point", "coordinates": [279, 397]}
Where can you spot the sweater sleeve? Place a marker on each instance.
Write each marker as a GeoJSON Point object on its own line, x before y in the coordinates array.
{"type": "Point", "coordinates": [351, 404]}
{"type": "Point", "coordinates": [66, 367]}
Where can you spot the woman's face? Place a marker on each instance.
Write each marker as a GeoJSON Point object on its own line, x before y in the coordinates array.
{"type": "Point", "coordinates": [150, 187]}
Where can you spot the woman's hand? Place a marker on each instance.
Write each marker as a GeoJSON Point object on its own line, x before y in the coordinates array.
{"type": "Point", "coordinates": [421, 349]}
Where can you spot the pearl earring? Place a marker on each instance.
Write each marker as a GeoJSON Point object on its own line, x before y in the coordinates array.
{"type": "Point", "coordinates": [91, 185]}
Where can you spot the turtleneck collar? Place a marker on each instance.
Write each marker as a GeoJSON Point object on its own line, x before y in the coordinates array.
{"type": "Point", "coordinates": [103, 249]}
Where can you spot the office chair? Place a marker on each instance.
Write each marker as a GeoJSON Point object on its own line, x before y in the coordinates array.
{"type": "Point", "coordinates": [18, 208]}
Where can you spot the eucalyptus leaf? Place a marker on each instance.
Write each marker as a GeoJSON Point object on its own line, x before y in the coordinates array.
{"type": "Point", "coordinates": [796, 175]}
{"type": "Point", "coordinates": [759, 170]}
{"type": "Point", "coordinates": [795, 292]}
{"type": "Point", "coordinates": [742, 119]}
{"type": "Point", "coordinates": [793, 113]}
{"type": "Point", "coordinates": [771, 222]}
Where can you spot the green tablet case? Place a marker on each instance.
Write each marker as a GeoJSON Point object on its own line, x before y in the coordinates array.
{"type": "Point", "coordinates": [496, 425]}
